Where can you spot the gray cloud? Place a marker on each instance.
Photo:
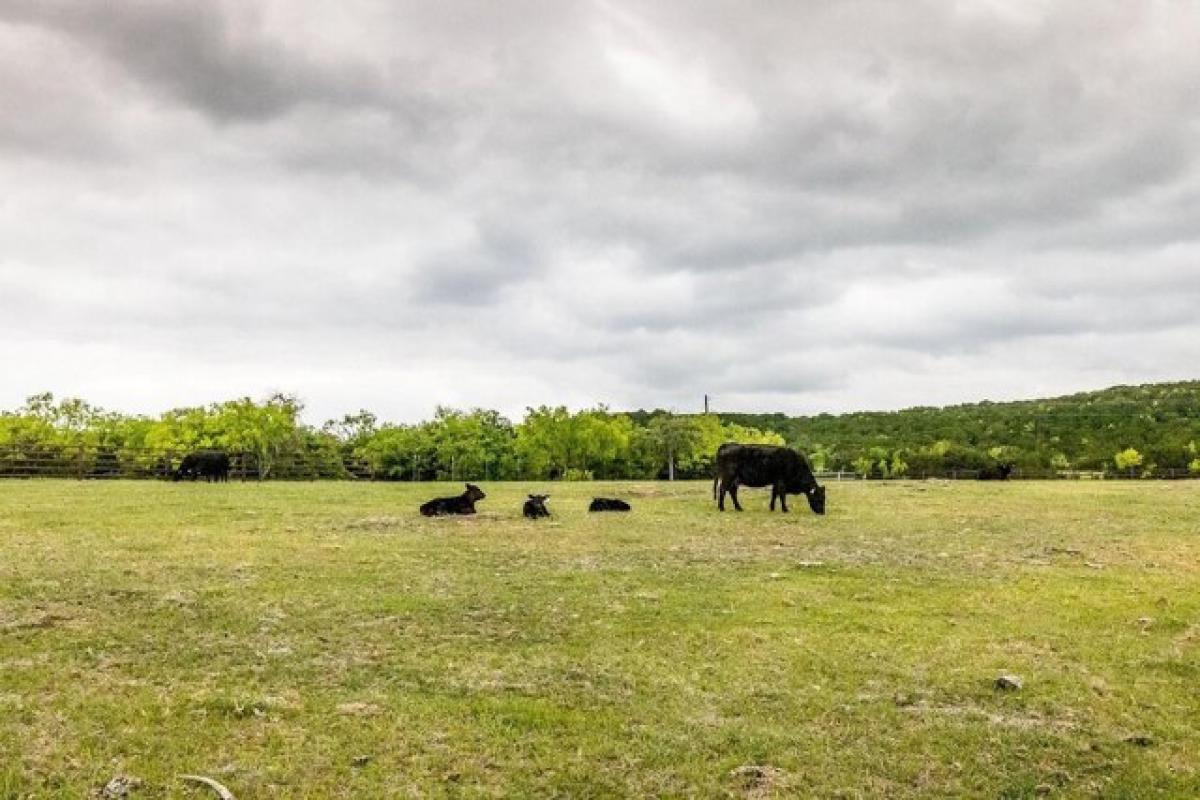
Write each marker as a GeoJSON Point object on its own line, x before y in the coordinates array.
{"type": "Point", "coordinates": [195, 52]}
{"type": "Point", "coordinates": [804, 207]}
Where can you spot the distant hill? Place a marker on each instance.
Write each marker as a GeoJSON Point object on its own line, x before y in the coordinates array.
{"type": "Point", "coordinates": [1081, 431]}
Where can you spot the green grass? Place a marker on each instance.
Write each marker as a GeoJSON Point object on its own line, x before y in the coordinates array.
{"type": "Point", "coordinates": [268, 635]}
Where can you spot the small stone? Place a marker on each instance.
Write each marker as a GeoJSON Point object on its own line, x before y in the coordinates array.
{"type": "Point", "coordinates": [1009, 683]}
{"type": "Point", "coordinates": [119, 787]}
{"type": "Point", "coordinates": [1140, 740]}
{"type": "Point", "coordinates": [361, 761]}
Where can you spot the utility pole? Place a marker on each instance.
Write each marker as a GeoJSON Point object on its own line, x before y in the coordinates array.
{"type": "Point", "coordinates": [705, 404]}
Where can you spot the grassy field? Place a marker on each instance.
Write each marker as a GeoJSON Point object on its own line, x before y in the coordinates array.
{"type": "Point", "coordinates": [325, 641]}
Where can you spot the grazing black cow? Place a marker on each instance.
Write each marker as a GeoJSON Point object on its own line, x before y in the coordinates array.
{"type": "Point", "coordinates": [608, 504]}
{"type": "Point", "coordinates": [1000, 472]}
{"type": "Point", "coordinates": [535, 506]}
{"type": "Point", "coordinates": [462, 504]}
{"type": "Point", "coordinates": [781, 468]}
{"type": "Point", "coordinates": [212, 465]}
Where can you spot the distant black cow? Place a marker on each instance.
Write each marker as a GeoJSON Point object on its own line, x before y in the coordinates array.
{"type": "Point", "coordinates": [212, 465]}
{"type": "Point", "coordinates": [535, 506]}
{"type": "Point", "coordinates": [999, 472]}
{"type": "Point", "coordinates": [462, 504]}
{"type": "Point", "coordinates": [608, 504]}
{"type": "Point", "coordinates": [781, 468]}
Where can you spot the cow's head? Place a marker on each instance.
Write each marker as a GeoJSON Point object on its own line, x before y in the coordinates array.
{"type": "Point", "coordinates": [539, 498]}
{"type": "Point", "coordinates": [816, 499]}
{"type": "Point", "coordinates": [474, 493]}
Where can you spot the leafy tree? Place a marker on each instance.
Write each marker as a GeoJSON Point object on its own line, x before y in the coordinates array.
{"type": "Point", "coordinates": [1128, 459]}
{"type": "Point", "coordinates": [863, 466]}
{"type": "Point", "coordinates": [401, 452]}
{"type": "Point", "coordinates": [472, 445]}
{"type": "Point", "coordinates": [551, 441]}
{"type": "Point", "coordinates": [674, 438]}
{"type": "Point", "coordinates": [353, 429]}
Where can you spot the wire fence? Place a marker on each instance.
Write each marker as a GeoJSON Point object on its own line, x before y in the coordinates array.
{"type": "Point", "coordinates": [100, 463]}
{"type": "Point", "coordinates": [110, 463]}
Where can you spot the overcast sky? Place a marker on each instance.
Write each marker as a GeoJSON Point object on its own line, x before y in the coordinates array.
{"type": "Point", "coordinates": [795, 206]}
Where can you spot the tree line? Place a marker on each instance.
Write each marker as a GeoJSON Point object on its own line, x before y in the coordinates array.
{"type": "Point", "coordinates": [1132, 431]}
{"type": "Point", "coordinates": [72, 437]}
{"type": "Point", "coordinates": [1139, 431]}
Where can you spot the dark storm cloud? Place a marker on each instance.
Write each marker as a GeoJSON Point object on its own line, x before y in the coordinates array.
{"type": "Point", "coordinates": [803, 206]}
{"type": "Point", "coordinates": [196, 53]}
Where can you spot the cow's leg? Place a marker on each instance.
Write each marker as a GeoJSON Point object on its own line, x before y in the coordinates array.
{"type": "Point", "coordinates": [733, 493]}
{"type": "Point", "coordinates": [774, 493]}
{"type": "Point", "coordinates": [721, 494]}
{"type": "Point", "coordinates": [783, 500]}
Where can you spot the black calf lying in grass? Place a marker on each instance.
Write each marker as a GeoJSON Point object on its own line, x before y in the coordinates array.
{"type": "Point", "coordinates": [606, 504]}
{"type": "Point", "coordinates": [535, 506]}
{"type": "Point", "coordinates": [463, 504]}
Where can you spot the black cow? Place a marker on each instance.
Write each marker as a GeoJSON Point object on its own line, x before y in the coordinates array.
{"type": "Point", "coordinates": [462, 504]}
{"type": "Point", "coordinates": [1000, 472]}
{"type": "Point", "coordinates": [212, 465]}
{"type": "Point", "coordinates": [535, 506]}
{"type": "Point", "coordinates": [608, 504]}
{"type": "Point", "coordinates": [781, 468]}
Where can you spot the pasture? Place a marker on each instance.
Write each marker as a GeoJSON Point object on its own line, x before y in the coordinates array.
{"type": "Point", "coordinates": [326, 641]}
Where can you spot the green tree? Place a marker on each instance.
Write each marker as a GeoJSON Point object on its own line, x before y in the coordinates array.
{"type": "Point", "coordinates": [1128, 459]}
{"type": "Point", "coordinates": [401, 452]}
{"type": "Point", "coordinates": [863, 466]}
{"type": "Point", "coordinates": [552, 441]}
{"type": "Point", "coordinates": [472, 445]}
{"type": "Point", "coordinates": [353, 429]}
{"type": "Point", "coordinates": [674, 438]}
